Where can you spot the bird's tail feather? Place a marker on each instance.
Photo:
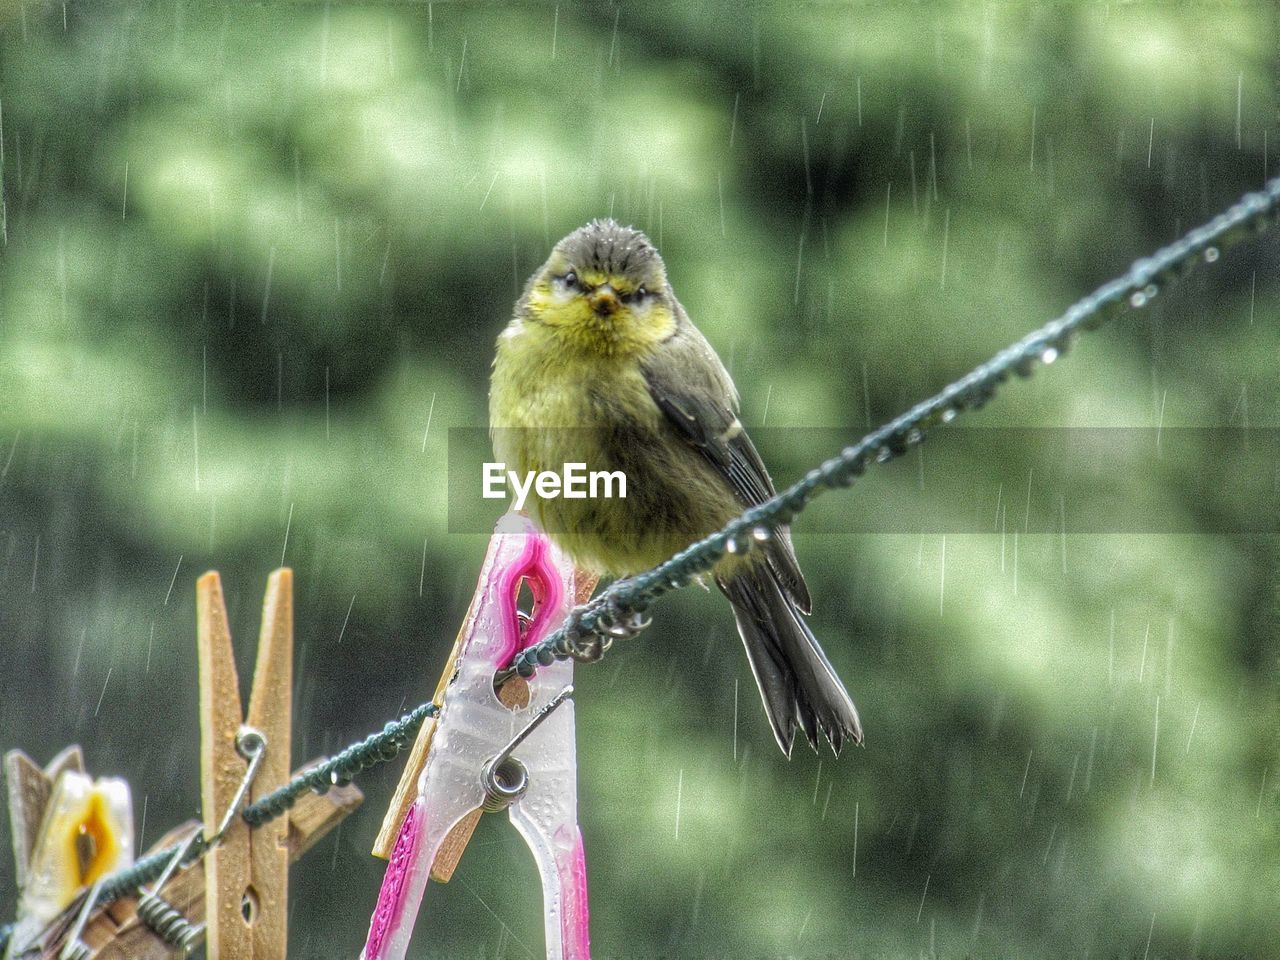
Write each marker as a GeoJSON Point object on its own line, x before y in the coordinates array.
{"type": "Point", "coordinates": [796, 680]}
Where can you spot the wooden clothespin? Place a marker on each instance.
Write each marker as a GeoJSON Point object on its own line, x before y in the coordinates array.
{"type": "Point", "coordinates": [131, 927]}
{"type": "Point", "coordinates": [407, 788]}
{"type": "Point", "coordinates": [247, 872]}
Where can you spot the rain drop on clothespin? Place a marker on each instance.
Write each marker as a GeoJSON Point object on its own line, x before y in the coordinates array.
{"type": "Point", "coordinates": [487, 753]}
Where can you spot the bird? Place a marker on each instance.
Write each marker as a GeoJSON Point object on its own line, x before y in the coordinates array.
{"type": "Point", "coordinates": [600, 364]}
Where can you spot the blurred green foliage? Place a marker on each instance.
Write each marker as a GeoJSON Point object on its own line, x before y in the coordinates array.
{"type": "Point", "coordinates": [254, 259]}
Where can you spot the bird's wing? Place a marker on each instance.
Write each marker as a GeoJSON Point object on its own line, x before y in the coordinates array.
{"type": "Point", "coordinates": [692, 389]}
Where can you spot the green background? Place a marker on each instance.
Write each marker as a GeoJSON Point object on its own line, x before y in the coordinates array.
{"type": "Point", "coordinates": [254, 260]}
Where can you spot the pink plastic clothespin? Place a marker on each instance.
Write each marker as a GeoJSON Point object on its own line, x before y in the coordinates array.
{"type": "Point", "coordinates": [486, 755]}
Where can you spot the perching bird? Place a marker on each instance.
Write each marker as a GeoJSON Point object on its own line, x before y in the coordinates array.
{"type": "Point", "coordinates": [601, 365]}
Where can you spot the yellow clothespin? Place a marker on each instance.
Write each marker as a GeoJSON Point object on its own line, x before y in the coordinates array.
{"type": "Point", "coordinates": [70, 830]}
{"type": "Point", "coordinates": [247, 871]}
{"type": "Point", "coordinates": [29, 789]}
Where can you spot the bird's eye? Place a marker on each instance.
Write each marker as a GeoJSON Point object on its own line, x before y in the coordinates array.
{"type": "Point", "coordinates": [641, 293]}
{"type": "Point", "coordinates": [570, 280]}
{"type": "Point", "coordinates": [638, 295]}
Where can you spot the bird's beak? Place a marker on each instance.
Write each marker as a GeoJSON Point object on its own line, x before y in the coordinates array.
{"type": "Point", "coordinates": [604, 300]}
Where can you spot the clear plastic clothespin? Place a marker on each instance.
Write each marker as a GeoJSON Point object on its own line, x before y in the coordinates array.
{"type": "Point", "coordinates": [486, 755]}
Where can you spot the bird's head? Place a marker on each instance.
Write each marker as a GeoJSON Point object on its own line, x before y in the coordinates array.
{"type": "Point", "coordinates": [604, 287]}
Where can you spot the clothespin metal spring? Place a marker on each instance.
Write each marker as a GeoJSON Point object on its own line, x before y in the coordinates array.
{"type": "Point", "coordinates": [504, 778]}
{"type": "Point", "coordinates": [160, 915]}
